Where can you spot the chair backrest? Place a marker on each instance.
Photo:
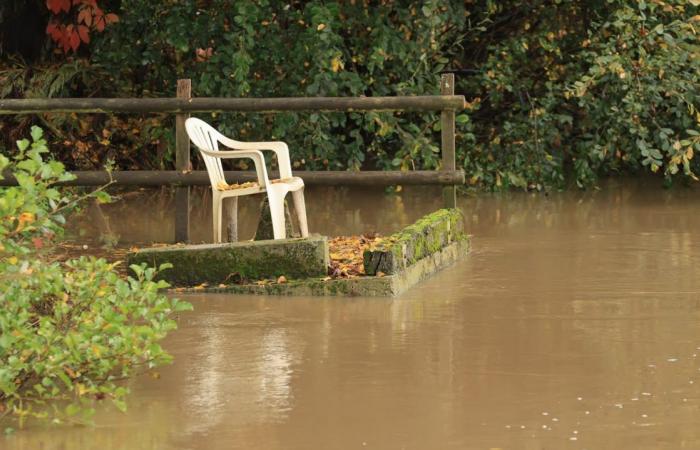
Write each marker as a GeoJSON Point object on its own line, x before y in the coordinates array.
{"type": "Point", "coordinates": [204, 136]}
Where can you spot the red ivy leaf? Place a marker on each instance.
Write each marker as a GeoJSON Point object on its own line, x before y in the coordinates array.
{"type": "Point", "coordinates": [85, 16]}
{"type": "Point", "coordinates": [99, 23]}
{"type": "Point", "coordinates": [74, 40]}
{"type": "Point", "coordinates": [111, 18]}
{"type": "Point", "coordinates": [65, 40]}
{"type": "Point", "coordinates": [55, 31]}
{"type": "Point", "coordinates": [54, 6]}
{"type": "Point", "coordinates": [84, 33]}
{"type": "Point", "coordinates": [57, 5]}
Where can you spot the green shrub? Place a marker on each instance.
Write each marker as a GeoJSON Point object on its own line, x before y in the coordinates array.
{"type": "Point", "coordinates": [69, 331]}
{"type": "Point", "coordinates": [582, 87]}
{"type": "Point", "coordinates": [251, 48]}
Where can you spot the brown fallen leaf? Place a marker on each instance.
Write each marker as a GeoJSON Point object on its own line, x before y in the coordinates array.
{"type": "Point", "coordinates": [280, 180]}
{"type": "Point", "coordinates": [223, 186]}
{"type": "Point", "coordinates": [346, 254]}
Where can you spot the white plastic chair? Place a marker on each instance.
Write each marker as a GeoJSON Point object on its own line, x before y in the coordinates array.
{"type": "Point", "coordinates": [207, 140]}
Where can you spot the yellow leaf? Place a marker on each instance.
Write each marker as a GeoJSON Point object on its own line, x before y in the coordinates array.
{"type": "Point", "coordinates": [336, 64]}
{"type": "Point", "coordinates": [689, 153]}
{"type": "Point", "coordinates": [321, 26]}
{"type": "Point", "coordinates": [25, 218]}
{"type": "Point", "coordinates": [12, 260]}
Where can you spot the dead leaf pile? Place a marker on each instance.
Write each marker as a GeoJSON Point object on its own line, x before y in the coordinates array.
{"type": "Point", "coordinates": [346, 255]}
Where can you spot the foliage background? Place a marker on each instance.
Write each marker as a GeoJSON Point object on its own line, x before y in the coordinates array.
{"type": "Point", "coordinates": [560, 90]}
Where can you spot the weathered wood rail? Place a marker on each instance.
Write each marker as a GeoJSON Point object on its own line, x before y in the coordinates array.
{"type": "Point", "coordinates": [184, 104]}
{"type": "Point", "coordinates": [311, 178]}
{"type": "Point", "coordinates": [256, 105]}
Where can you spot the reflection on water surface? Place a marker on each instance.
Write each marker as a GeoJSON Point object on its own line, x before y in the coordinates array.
{"type": "Point", "coordinates": [573, 324]}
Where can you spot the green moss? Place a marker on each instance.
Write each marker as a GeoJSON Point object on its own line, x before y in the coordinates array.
{"type": "Point", "coordinates": [424, 237]}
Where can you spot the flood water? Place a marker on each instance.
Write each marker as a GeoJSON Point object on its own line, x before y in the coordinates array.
{"type": "Point", "coordinates": [574, 323]}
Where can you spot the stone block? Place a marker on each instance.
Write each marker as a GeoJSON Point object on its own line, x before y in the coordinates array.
{"type": "Point", "coordinates": [239, 261]}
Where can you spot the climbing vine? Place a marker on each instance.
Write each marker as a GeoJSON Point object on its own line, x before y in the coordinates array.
{"type": "Point", "coordinates": [72, 22]}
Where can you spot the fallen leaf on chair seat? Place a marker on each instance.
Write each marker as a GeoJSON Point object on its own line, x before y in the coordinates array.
{"type": "Point", "coordinates": [281, 180]}
{"type": "Point", "coordinates": [223, 186]}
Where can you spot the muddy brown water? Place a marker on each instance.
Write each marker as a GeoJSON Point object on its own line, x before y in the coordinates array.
{"type": "Point", "coordinates": [575, 323]}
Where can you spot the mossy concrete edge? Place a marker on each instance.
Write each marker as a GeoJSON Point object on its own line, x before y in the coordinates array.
{"type": "Point", "coordinates": [427, 235]}
{"type": "Point", "coordinates": [370, 286]}
{"type": "Point", "coordinates": [250, 260]}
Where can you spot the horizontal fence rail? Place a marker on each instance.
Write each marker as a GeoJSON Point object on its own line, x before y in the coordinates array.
{"type": "Point", "coordinates": [311, 178]}
{"type": "Point", "coordinates": [204, 104]}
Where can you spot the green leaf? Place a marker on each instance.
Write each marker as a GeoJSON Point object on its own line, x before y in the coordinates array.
{"type": "Point", "coordinates": [36, 133]}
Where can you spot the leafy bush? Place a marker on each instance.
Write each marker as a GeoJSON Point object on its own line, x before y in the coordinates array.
{"type": "Point", "coordinates": [71, 330]}
{"type": "Point", "coordinates": [594, 87]}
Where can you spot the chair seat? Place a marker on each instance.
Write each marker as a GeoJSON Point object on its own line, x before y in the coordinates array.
{"type": "Point", "coordinates": [235, 190]}
{"type": "Point", "coordinates": [294, 183]}
{"type": "Point", "coordinates": [252, 187]}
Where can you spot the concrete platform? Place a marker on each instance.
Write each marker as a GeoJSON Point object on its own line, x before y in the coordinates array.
{"type": "Point", "coordinates": [367, 286]}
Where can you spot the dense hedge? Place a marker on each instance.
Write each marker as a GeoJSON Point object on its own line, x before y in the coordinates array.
{"type": "Point", "coordinates": [592, 86]}
{"type": "Point", "coordinates": [557, 87]}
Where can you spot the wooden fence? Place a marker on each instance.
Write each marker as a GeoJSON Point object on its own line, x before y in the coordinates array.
{"type": "Point", "coordinates": [184, 104]}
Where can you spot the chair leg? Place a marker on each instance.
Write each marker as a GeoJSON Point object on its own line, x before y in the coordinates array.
{"type": "Point", "coordinates": [230, 213]}
{"type": "Point", "coordinates": [216, 218]}
{"type": "Point", "coordinates": [276, 202]}
{"type": "Point", "coordinates": [300, 207]}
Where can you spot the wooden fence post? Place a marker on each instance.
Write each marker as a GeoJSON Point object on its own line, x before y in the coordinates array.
{"type": "Point", "coordinates": [182, 164]}
{"type": "Point", "coordinates": [447, 119]}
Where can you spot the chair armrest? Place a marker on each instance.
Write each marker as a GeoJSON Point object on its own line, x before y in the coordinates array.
{"type": "Point", "coordinates": [280, 149]}
{"type": "Point", "coordinates": [255, 155]}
